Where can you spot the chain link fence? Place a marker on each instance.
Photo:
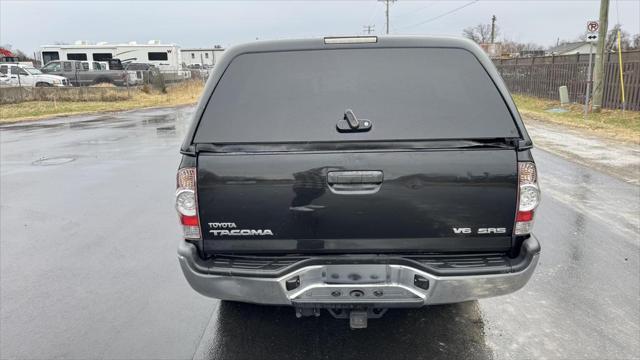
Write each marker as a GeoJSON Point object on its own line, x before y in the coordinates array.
{"type": "Point", "coordinates": [102, 89]}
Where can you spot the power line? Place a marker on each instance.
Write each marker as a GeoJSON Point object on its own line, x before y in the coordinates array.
{"type": "Point", "coordinates": [413, 12]}
{"type": "Point", "coordinates": [368, 28]}
{"type": "Point", "coordinates": [387, 11]}
{"type": "Point", "coordinates": [373, 12]}
{"type": "Point", "coordinates": [442, 15]}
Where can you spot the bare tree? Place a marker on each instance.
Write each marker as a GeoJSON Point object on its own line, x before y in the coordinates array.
{"type": "Point", "coordinates": [17, 52]}
{"type": "Point", "coordinates": [510, 46]}
{"type": "Point", "coordinates": [22, 56]}
{"type": "Point", "coordinates": [480, 33]}
{"type": "Point", "coordinates": [611, 42]}
{"type": "Point", "coordinates": [635, 43]}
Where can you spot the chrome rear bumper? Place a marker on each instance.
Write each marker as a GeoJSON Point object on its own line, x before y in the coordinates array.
{"type": "Point", "coordinates": [368, 284]}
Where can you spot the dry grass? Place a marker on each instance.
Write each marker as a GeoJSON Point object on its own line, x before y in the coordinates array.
{"type": "Point", "coordinates": [180, 94]}
{"type": "Point", "coordinates": [608, 123]}
{"type": "Point", "coordinates": [107, 85]}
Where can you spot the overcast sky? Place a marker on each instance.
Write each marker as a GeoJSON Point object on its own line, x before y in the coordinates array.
{"type": "Point", "coordinates": [28, 24]}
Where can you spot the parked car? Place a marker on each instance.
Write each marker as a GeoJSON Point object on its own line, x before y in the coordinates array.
{"type": "Point", "coordinates": [141, 73]}
{"type": "Point", "coordinates": [356, 175]}
{"type": "Point", "coordinates": [114, 64]}
{"type": "Point", "coordinates": [107, 64]}
{"type": "Point", "coordinates": [14, 74]}
{"type": "Point", "coordinates": [198, 71]}
{"type": "Point", "coordinates": [80, 73]}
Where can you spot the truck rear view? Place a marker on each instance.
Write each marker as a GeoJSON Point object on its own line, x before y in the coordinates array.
{"type": "Point", "coordinates": [357, 175]}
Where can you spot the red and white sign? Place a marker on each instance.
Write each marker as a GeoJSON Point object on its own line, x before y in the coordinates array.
{"type": "Point", "coordinates": [593, 26]}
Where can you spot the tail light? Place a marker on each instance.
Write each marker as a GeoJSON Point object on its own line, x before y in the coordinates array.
{"type": "Point", "coordinates": [528, 197]}
{"type": "Point", "coordinates": [187, 203]}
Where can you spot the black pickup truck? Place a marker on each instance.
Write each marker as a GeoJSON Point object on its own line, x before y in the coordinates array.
{"type": "Point", "coordinates": [355, 175]}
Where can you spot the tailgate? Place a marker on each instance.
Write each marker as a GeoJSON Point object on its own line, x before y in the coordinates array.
{"type": "Point", "coordinates": [376, 201]}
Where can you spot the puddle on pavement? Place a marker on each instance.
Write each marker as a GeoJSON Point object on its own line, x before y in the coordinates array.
{"type": "Point", "coordinates": [31, 126]}
{"type": "Point", "coordinates": [48, 161]}
{"type": "Point", "coordinates": [101, 121]}
{"type": "Point", "coordinates": [106, 140]}
{"type": "Point", "coordinates": [159, 119]}
{"type": "Point", "coordinates": [453, 331]}
{"type": "Point", "coordinates": [124, 126]}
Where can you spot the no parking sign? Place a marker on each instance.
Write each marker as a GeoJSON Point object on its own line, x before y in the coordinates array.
{"type": "Point", "coordinates": [592, 29]}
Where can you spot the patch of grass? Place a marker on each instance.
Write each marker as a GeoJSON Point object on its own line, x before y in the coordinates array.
{"type": "Point", "coordinates": [179, 94]}
{"type": "Point", "coordinates": [609, 123]}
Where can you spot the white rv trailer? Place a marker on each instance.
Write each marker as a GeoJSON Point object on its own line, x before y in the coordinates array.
{"type": "Point", "coordinates": [166, 57]}
{"type": "Point", "coordinates": [202, 56]}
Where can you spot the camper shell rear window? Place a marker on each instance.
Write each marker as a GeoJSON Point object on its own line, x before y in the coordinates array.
{"type": "Point", "coordinates": [407, 94]}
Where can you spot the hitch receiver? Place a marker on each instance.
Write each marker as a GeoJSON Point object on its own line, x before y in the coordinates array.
{"type": "Point", "coordinates": [358, 319]}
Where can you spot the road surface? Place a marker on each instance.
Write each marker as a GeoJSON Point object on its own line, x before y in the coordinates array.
{"type": "Point", "coordinates": [88, 266]}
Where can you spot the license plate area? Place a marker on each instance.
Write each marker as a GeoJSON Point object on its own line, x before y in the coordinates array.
{"type": "Point", "coordinates": [356, 274]}
{"type": "Point", "coordinates": [357, 284]}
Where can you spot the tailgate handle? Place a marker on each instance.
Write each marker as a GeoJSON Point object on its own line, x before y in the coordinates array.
{"type": "Point", "coordinates": [355, 182]}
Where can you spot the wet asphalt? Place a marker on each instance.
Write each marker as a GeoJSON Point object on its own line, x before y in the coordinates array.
{"type": "Point", "coordinates": [88, 267]}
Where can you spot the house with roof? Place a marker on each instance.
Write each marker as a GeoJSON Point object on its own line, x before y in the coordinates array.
{"type": "Point", "coordinates": [572, 48]}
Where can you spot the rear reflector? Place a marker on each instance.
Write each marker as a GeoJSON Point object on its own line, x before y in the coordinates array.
{"type": "Point", "coordinates": [524, 216]}
{"type": "Point", "coordinates": [189, 220]}
{"type": "Point", "coordinates": [351, 40]}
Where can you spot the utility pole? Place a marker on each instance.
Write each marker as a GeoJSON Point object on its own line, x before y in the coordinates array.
{"type": "Point", "coordinates": [493, 28]}
{"type": "Point", "coordinates": [368, 29]}
{"type": "Point", "coordinates": [387, 11]}
{"type": "Point", "coordinates": [598, 73]}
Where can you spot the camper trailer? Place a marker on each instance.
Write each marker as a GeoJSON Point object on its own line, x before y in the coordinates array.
{"type": "Point", "coordinates": [205, 57]}
{"type": "Point", "coordinates": [165, 57]}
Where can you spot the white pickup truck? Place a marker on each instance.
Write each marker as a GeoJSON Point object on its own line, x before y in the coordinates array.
{"type": "Point", "coordinates": [28, 76]}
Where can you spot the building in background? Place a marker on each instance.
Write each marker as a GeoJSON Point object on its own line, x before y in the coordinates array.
{"type": "Point", "coordinates": [531, 53]}
{"type": "Point", "coordinates": [202, 56]}
{"type": "Point", "coordinates": [494, 50]}
{"type": "Point", "coordinates": [571, 48]}
{"type": "Point", "coordinates": [166, 57]}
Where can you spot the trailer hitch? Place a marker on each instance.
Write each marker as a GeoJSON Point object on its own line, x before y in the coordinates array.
{"type": "Point", "coordinates": [358, 316]}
